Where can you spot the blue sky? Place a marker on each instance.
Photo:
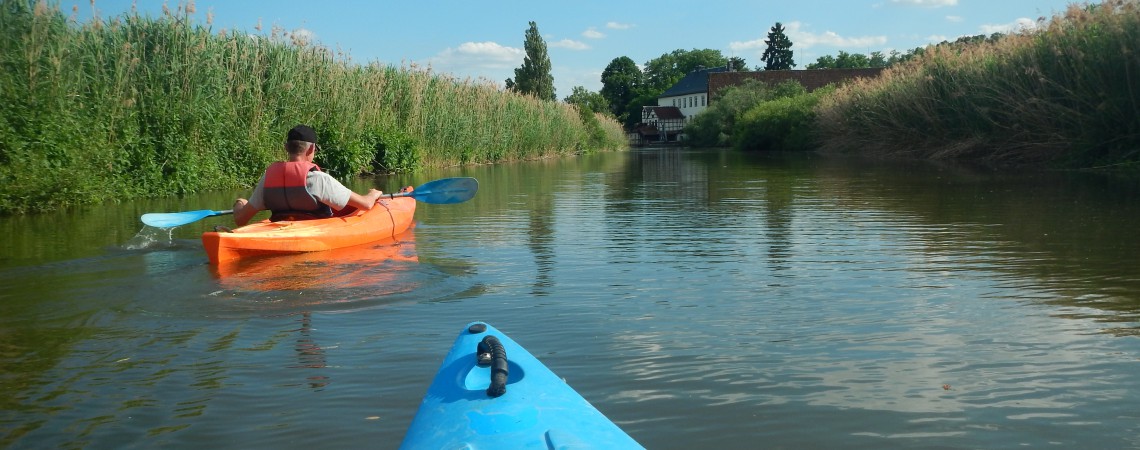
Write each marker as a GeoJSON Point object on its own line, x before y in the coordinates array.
{"type": "Point", "coordinates": [484, 39]}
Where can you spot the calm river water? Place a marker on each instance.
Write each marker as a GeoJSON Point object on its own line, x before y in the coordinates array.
{"type": "Point", "coordinates": [700, 299]}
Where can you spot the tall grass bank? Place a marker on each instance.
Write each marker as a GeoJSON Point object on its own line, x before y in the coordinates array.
{"type": "Point", "coordinates": [137, 106]}
{"type": "Point", "coordinates": [1064, 95]}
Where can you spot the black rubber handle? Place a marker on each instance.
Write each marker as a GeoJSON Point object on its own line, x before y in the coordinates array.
{"type": "Point", "coordinates": [499, 373]}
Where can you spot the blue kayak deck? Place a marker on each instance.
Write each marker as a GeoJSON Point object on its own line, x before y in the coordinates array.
{"type": "Point", "coordinates": [538, 409]}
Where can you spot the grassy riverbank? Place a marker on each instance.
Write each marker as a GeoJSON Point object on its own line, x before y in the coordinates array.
{"type": "Point", "coordinates": [1066, 95]}
{"type": "Point", "coordinates": [137, 106]}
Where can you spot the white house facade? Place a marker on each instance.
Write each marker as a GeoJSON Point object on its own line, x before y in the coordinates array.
{"type": "Point", "coordinates": [691, 94]}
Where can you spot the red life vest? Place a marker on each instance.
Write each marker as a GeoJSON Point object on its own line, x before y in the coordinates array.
{"type": "Point", "coordinates": [285, 194]}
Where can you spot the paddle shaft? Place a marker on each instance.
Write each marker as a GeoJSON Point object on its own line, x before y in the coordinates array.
{"type": "Point", "coordinates": [443, 191]}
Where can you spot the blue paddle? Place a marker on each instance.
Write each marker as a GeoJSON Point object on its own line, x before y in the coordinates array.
{"type": "Point", "coordinates": [171, 220]}
{"type": "Point", "coordinates": [441, 192]}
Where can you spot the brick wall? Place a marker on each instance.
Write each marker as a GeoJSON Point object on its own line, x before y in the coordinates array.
{"type": "Point", "coordinates": [810, 79]}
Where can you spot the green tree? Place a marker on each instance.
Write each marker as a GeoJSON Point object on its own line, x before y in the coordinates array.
{"type": "Point", "coordinates": [851, 61]}
{"type": "Point", "coordinates": [897, 58]}
{"type": "Point", "coordinates": [642, 97]}
{"type": "Point", "coordinates": [878, 59]}
{"type": "Point", "coordinates": [619, 80]}
{"type": "Point", "coordinates": [590, 105]}
{"type": "Point", "coordinates": [663, 72]}
{"type": "Point", "coordinates": [976, 39]}
{"type": "Point", "coordinates": [737, 64]}
{"type": "Point", "coordinates": [857, 60]}
{"type": "Point", "coordinates": [534, 77]}
{"type": "Point", "coordinates": [823, 62]}
{"type": "Point", "coordinates": [587, 100]}
{"type": "Point", "coordinates": [778, 55]}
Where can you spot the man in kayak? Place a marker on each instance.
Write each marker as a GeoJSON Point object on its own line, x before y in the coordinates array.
{"type": "Point", "coordinates": [297, 189]}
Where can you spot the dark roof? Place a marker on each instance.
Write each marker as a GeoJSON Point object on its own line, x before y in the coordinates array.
{"type": "Point", "coordinates": [694, 82]}
{"type": "Point", "coordinates": [668, 112]}
{"type": "Point", "coordinates": [646, 129]}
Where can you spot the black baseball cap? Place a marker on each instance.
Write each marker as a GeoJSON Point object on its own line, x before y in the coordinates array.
{"type": "Point", "coordinates": [302, 133]}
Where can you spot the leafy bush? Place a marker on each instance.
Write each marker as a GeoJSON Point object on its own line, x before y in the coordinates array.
{"type": "Point", "coordinates": [786, 124]}
{"type": "Point", "coordinates": [395, 151]}
{"type": "Point", "coordinates": [714, 127]}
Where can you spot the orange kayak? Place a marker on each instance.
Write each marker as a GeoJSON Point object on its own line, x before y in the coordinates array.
{"type": "Point", "coordinates": [388, 218]}
{"type": "Point", "coordinates": [376, 266]}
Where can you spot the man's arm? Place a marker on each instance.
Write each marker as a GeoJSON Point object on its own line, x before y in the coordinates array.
{"type": "Point", "coordinates": [243, 212]}
{"type": "Point", "coordinates": [331, 192]}
{"type": "Point", "coordinates": [364, 202]}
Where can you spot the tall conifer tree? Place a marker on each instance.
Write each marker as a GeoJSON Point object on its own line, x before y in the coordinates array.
{"type": "Point", "coordinates": [534, 76]}
{"type": "Point", "coordinates": [778, 55]}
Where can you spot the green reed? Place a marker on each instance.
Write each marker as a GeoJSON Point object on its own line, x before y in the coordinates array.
{"type": "Point", "coordinates": [135, 106]}
{"type": "Point", "coordinates": [1064, 95]}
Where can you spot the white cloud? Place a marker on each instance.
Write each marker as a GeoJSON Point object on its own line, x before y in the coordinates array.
{"type": "Point", "coordinates": [747, 45]}
{"type": "Point", "coordinates": [593, 33]}
{"type": "Point", "coordinates": [936, 38]}
{"type": "Point", "coordinates": [954, 19]}
{"type": "Point", "coordinates": [474, 56]}
{"type": "Point", "coordinates": [478, 61]}
{"type": "Point", "coordinates": [804, 40]}
{"type": "Point", "coordinates": [570, 44]}
{"type": "Point", "coordinates": [1022, 24]}
{"type": "Point", "coordinates": [926, 3]}
{"type": "Point", "coordinates": [619, 26]}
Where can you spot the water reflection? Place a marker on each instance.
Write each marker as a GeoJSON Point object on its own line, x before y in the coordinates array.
{"type": "Point", "coordinates": [376, 265]}
{"type": "Point", "coordinates": [310, 355]}
{"type": "Point", "coordinates": [538, 239]}
{"type": "Point", "coordinates": [700, 298]}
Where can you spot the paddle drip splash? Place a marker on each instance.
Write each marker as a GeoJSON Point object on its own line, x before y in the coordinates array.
{"type": "Point", "coordinates": [151, 237]}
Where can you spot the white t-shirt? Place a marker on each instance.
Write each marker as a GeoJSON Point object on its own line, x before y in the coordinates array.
{"type": "Point", "coordinates": [320, 185]}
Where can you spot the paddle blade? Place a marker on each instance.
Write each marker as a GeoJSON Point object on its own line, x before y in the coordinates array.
{"type": "Point", "coordinates": [444, 191]}
{"type": "Point", "coordinates": [171, 220]}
